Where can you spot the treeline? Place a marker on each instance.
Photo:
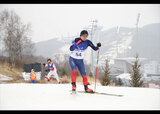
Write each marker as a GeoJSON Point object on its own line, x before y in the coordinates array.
{"type": "Point", "coordinates": [15, 38]}
{"type": "Point", "coordinates": [135, 75]}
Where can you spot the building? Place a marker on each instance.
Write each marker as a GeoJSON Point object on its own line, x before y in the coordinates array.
{"type": "Point", "coordinates": [151, 71]}
{"type": "Point", "coordinates": [125, 64]}
{"type": "Point", "coordinates": [151, 85]}
{"type": "Point", "coordinates": [152, 67]}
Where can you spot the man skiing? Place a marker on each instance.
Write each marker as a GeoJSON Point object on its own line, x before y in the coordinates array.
{"type": "Point", "coordinates": [52, 70]}
{"type": "Point", "coordinates": [78, 48]}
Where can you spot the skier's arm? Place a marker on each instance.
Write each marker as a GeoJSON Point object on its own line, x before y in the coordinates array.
{"type": "Point", "coordinates": [52, 69]}
{"type": "Point", "coordinates": [74, 44]}
{"type": "Point", "coordinates": [92, 45]}
{"type": "Point", "coordinates": [98, 45]}
{"type": "Point", "coordinates": [72, 47]}
{"type": "Point", "coordinates": [45, 65]}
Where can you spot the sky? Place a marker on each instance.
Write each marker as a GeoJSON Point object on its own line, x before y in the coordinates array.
{"type": "Point", "coordinates": [59, 20]}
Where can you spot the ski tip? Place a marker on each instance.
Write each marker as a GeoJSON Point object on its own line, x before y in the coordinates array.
{"type": "Point", "coordinates": [73, 92]}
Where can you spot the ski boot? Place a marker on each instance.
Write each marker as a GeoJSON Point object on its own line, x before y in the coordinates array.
{"type": "Point", "coordinates": [73, 88]}
{"type": "Point", "coordinates": [87, 90]}
{"type": "Point", "coordinates": [48, 79]}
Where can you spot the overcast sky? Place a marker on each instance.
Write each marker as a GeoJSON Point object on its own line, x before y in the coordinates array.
{"type": "Point", "coordinates": [56, 20]}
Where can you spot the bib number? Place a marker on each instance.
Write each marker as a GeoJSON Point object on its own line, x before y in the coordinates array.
{"type": "Point", "coordinates": [79, 54]}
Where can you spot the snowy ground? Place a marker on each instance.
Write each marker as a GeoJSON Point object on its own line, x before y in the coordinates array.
{"type": "Point", "coordinates": [4, 78]}
{"type": "Point", "coordinates": [57, 97]}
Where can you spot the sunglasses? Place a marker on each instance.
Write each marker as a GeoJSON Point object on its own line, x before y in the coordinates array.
{"type": "Point", "coordinates": [85, 35]}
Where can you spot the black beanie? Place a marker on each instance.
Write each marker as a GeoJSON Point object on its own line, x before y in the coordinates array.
{"type": "Point", "coordinates": [49, 60]}
{"type": "Point", "coordinates": [83, 32]}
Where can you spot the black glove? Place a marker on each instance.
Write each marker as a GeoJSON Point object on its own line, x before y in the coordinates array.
{"type": "Point", "coordinates": [47, 70]}
{"type": "Point", "coordinates": [99, 44]}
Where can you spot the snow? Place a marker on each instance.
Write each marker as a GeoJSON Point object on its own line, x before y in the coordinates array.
{"type": "Point", "coordinates": [57, 97]}
{"type": "Point", "coordinates": [125, 76]}
{"type": "Point", "coordinates": [3, 77]}
{"type": "Point", "coordinates": [117, 47]}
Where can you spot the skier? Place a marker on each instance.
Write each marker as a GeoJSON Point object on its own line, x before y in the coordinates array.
{"type": "Point", "coordinates": [52, 70]}
{"type": "Point", "coordinates": [33, 76]}
{"type": "Point", "coordinates": [78, 48]}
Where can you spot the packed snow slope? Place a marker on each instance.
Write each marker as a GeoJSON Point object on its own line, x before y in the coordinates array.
{"type": "Point", "coordinates": [58, 97]}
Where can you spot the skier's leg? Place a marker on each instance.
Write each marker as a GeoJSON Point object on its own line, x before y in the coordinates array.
{"type": "Point", "coordinates": [74, 70]}
{"type": "Point", "coordinates": [49, 75]}
{"type": "Point", "coordinates": [73, 78]}
{"type": "Point", "coordinates": [82, 70]}
{"type": "Point", "coordinates": [56, 76]}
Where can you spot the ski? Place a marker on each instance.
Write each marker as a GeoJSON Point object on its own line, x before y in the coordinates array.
{"type": "Point", "coordinates": [73, 92]}
{"type": "Point", "coordinates": [110, 94]}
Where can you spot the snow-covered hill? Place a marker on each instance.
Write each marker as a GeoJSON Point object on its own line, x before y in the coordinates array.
{"type": "Point", "coordinates": [58, 97]}
{"type": "Point", "coordinates": [121, 43]}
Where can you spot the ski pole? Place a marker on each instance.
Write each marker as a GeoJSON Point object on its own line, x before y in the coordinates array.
{"type": "Point", "coordinates": [96, 70]}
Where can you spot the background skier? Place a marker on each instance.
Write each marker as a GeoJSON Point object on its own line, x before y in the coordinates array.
{"type": "Point", "coordinates": [52, 70]}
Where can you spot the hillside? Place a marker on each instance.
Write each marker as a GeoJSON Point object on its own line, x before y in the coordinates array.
{"type": "Point", "coordinates": [10, 75]}
{"type": "Point", "coordinates": [147, 42]}
{"type": "Point", "coordinates": [122, 44]}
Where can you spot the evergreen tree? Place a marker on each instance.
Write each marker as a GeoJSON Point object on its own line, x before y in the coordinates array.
{"type": "Point", "coordinates": [136, 74]}
{"type": "Point", "coordinates": [106, 79]}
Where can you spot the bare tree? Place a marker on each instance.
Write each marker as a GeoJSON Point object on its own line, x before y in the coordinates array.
{"type": "Point", "coordinates": [15, 34]}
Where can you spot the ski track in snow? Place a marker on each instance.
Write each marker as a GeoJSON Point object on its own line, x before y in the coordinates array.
{"type": "Point", "coordinates": [58, 97]}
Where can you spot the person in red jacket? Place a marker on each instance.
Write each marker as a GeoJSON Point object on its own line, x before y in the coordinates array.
{"type": "Point", "coordinates": [52, 70]}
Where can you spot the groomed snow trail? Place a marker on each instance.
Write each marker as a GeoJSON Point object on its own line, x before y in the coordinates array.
{"type": "Point", "coordinates": [57, 97]}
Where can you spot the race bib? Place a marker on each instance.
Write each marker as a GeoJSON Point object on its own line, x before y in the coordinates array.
{"type": "Point", "coordinates": [78, 54]}
{"type": "Point", "coordinates": [79, 51]}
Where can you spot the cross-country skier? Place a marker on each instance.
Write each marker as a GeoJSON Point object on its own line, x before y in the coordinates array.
{"type": "Point", "coordinates": [78, 48]}
{"type": "Point", "coordinates": [52, 70]}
